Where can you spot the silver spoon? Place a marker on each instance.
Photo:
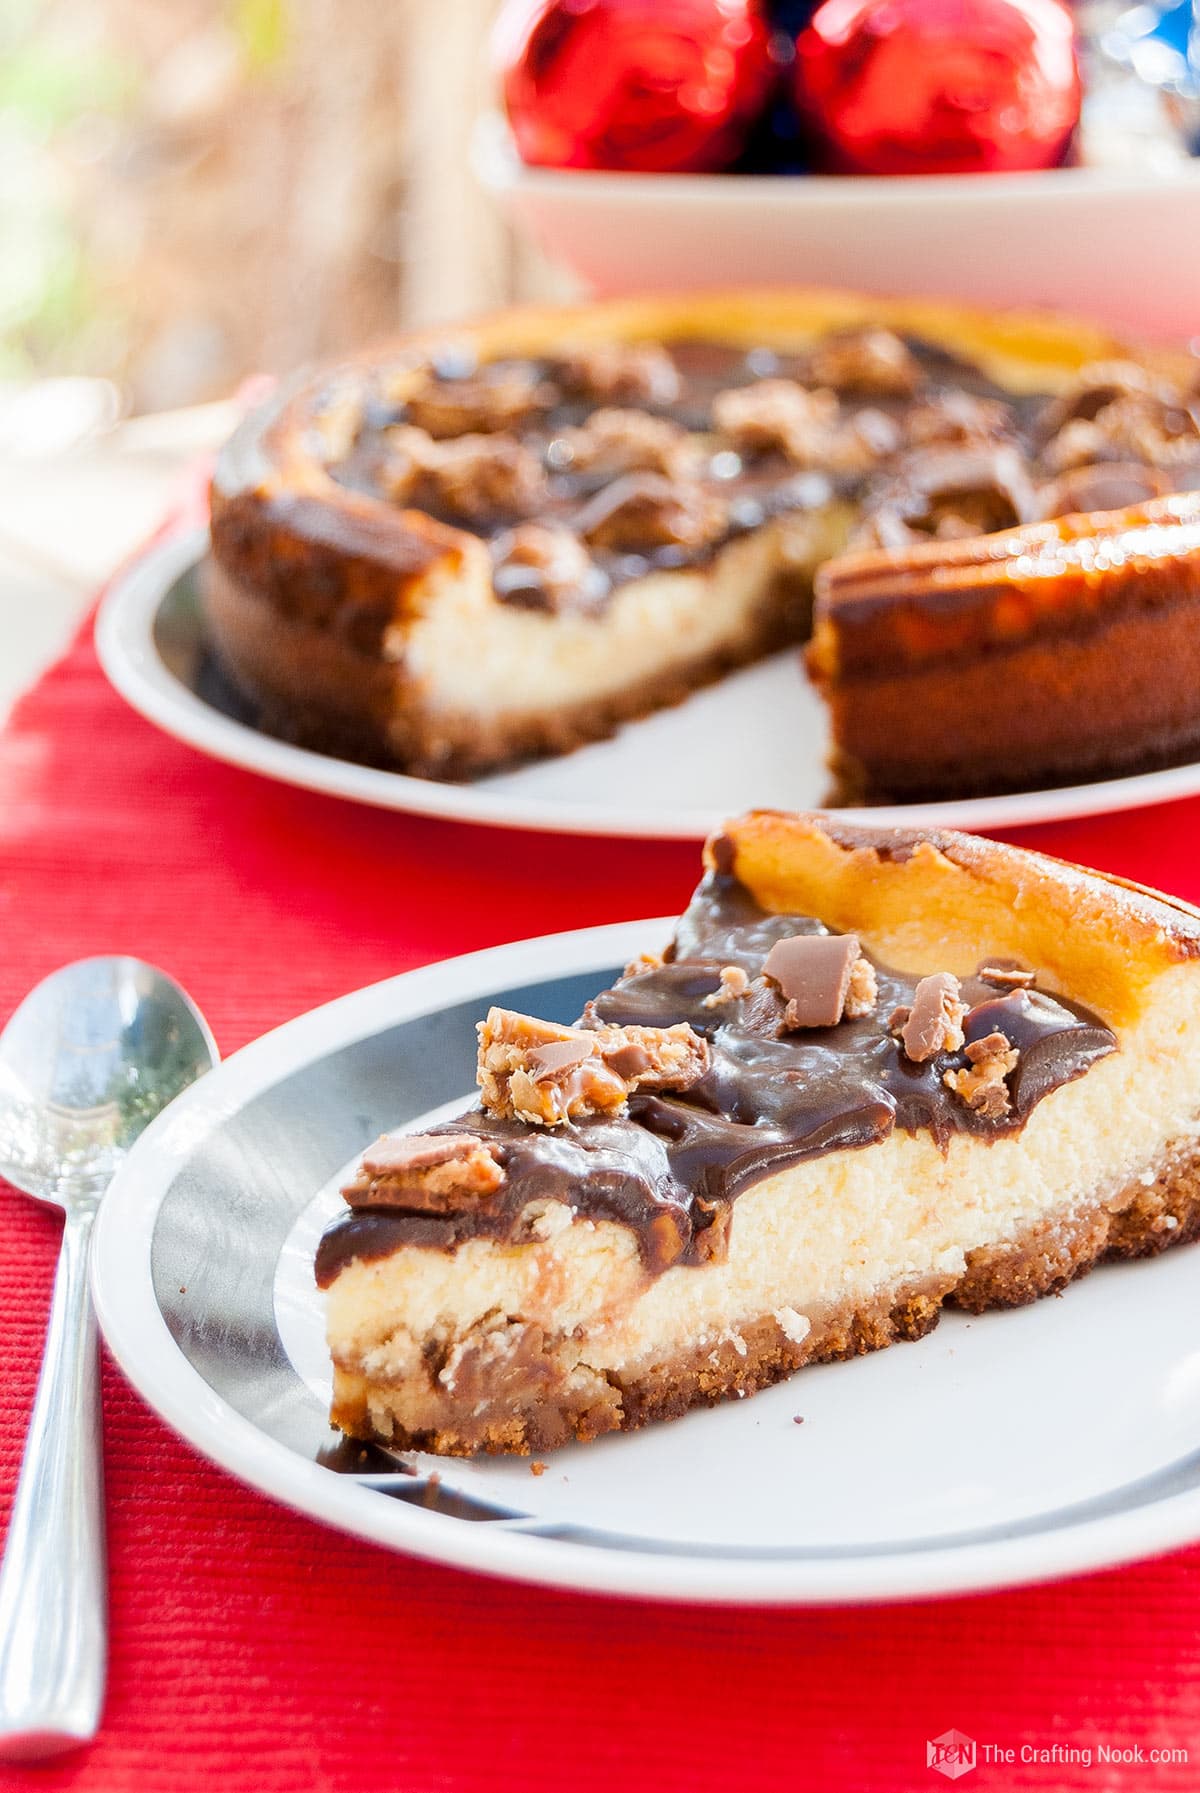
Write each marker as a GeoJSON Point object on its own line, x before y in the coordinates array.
{"type": "Point", "coordinates": [88, 1060]}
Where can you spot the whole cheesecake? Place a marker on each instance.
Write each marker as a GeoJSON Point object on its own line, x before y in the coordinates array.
{"type": "Point", "coordinates": [502, 540]}
{"type": "Point", "coordinates": [873, 1073]}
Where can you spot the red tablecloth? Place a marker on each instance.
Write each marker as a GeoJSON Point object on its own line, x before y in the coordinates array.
{"type": "Point", "coordinates": [254, 1650]}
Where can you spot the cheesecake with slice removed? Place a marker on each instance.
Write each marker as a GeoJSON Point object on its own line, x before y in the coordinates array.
{"type": "Point", "coordinates": [874, 1072]}
{"type": "Point", "coordinates": [467, 549]}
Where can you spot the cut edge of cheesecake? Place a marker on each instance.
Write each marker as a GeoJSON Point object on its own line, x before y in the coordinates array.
{"type": "Point", "coordinates": [522, 1344]}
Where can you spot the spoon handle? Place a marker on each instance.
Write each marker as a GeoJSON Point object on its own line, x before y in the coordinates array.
{"type": "Point", "coordinates": [53, 1617]}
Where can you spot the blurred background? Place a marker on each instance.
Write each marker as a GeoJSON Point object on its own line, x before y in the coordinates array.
{"type": "Point", "coordinates": [194, 191]}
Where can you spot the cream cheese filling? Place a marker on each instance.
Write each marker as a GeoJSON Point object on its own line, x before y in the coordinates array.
{"type": "Point", "coordinates": [469, 655]}
{"type": "Point", "coordinates": [832, 1229]}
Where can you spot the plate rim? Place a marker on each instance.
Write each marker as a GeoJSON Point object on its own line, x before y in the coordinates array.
{"type": "Point", "coordinates": [140, 1341]}
{"type": "Point", "coordinates": [128, 655]}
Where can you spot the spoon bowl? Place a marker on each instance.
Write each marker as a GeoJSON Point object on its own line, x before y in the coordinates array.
{"type": "Point", "coordinates": [86, 1062]}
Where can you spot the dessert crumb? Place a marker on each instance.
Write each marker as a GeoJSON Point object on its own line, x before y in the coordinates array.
{"type": "Point", "coordinates": [537, 1468]}
{"type": "Point", "coordinates": [797, 1419]}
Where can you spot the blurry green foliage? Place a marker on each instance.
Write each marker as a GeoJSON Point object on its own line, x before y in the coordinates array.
{"type": "Point", "coordinates": [53, 81]}
{"type": "Point", "coordinates": [262, 29]}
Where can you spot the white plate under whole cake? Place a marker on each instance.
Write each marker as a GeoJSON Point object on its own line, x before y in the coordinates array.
{"type": "Point", "coordinates": [757, 740]}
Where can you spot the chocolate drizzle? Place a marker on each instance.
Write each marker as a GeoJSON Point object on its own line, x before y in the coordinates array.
{"type": "Point", "coordinates": [669, 1166]}
{"type": "Point", "coordinates": [746, 487]}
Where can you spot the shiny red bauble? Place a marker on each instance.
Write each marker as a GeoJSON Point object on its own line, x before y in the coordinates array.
{"type": "Point", "coordinates": [661, 85]}
{"type": "Point", "coordinates": [938, 86]}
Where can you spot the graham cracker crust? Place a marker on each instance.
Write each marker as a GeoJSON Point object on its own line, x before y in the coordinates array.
{"type": "Point", "coordinates": [516, 1392]}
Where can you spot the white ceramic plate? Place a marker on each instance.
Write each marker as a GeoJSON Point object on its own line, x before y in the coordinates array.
{"type": "Point", "coordinates": [758, 740]}
{"type": "Point", "coordinates": [1120, 245]}
{"type": "Point", "coordinates": [1010, 1448]}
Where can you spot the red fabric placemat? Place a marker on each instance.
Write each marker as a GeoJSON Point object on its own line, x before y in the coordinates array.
{"type": "Point", "coordinates": [254, 1650]}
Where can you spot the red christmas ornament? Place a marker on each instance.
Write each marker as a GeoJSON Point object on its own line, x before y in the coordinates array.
{"type": "Point", "coordinates": [660, 85]}
{"type": "Point", "coordinates": [939, 86]}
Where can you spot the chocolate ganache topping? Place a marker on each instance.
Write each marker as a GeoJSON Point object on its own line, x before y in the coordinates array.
{"type": "Point", "coordinates": [631, 467]}
{"type": "Point", "coordinates": [670, 1164]}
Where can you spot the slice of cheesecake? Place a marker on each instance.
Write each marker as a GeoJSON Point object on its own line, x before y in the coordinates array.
{"type": "Point", "coordinates": [874, 1072]}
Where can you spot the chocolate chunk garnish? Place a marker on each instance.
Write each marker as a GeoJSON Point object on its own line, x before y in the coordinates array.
{"type": "Point", "coordinates": [498, 398]}
{"type": "Point", "coordinates": [870, 360]}
{"type": "Point", "coordinates": [778, 416]}
{"type": "Point", "coordinates": [813, 974]}
{"type": "Point", "coordinates": [670, 1058]}
{"type": "Point", "coordinates": [1100, 486]}
{"type": "Point", "coordinates": [430, 1173]}
{"type": "Point", "coordinates": [547, 1075]}
{"type": "Point", "coordinates": [950, 492]}
{"type": "Point", "coordinates": [394, 1152]}
{"type": "Point", "coordinates": [934, 1022]}
{"type": "Point", "coordinates": [558, 1056]}
{"type": "Point", "coordinates": [622, 373]}
{"type": "Point", "coordinates": [644, 511]}
{"type": "Point", "coordinates": [537, 566]}
{"type": "Point", "coordinates": [628, 1061]}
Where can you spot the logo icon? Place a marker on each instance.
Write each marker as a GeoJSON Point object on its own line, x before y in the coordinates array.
{"type": "Point", "coordinates": [951, 1754]}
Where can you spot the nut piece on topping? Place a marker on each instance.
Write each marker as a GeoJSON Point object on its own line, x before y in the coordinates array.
{"type": "Point", "coordinates": [496, 398]}
{"type": "Point", "coordinates": [410, 455]}
{"type": "Point", "coordinates": [934, 1022]}
{"type": "Point", "coordinates": [622, 373]}
{"type": "Point", "coordinates": [643, 963]}
{"type": "Point", "coordinates": [815, 973]}
{"type": "Point", "coordinates": [1117, 412]}
{"type": "Point", "coordinates": [337, 424]}
{"type": "Point", "coordinates": [535, 1071]}
{"type": "Point", "coordinates": [863, 992]}
{"type": "Point", "coordinates": [542, 566]}
{"type": "Point", "coordinates": [734, 985]}
{"type": "Point", "coordinates": [950, 493]}
{"type": "Point", "coordinates": [1095, 387]}
{"type": "Point", "coordinates": [644, 511]}
{"type": "Point", "coordinates": [874, 361]}
{"type": "Point", "coordinates": [983, 1086]}
{"type": "Point", "coordinates": [474, 476]}
{"type": "Point", "coordinates": [480, 476]}
{"type": "Point", "coordinates": [862, 442]}
{"type": "Point", "coordinates": [659, 1058]}
{"type": "Point", "coordinates": [615, 441]}
{"type": "Point", "coordinates": [1007, 977]}
{"type": "Point", "coordinates": [955, 419]}
{"type": "Point", "coordinates": [1102, 486]}
{"type": "Point", "coordinates": [431, 1173]}
{"type": "Point", "coordinates": [778, 416]}
{"type": "Point", "coordinates": [1137, 429]}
